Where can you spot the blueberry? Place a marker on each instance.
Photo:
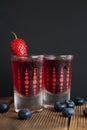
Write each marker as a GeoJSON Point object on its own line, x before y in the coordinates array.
{"type": "Point", "coordinates": [85, 112]}
{"type": "Point", "coordinates": [4, 107]}
{"type": "Point", "coordinates": [70, 103]}
{"type": "Point", "coordinates": [79, 101]}
{"type": "Point", "coordinates": [24, 114]}
{"type": "Point", "coordinates": [68, 112]}
{"type": "Point", "coordinates": [58, 106]}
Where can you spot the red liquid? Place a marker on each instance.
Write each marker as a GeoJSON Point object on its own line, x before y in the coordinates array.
{"type": "Point", "coordinates": [57, 75]}
{"type": "Point", "coordinates": [27, 77]}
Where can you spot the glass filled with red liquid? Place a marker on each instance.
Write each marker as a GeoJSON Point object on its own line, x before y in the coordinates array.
{"type": "Point", "coordinates": [57, 78]}
{"type": "Point", "coordinates": [28, 82]}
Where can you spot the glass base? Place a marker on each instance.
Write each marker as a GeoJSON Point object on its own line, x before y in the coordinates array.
{"type": "Point", "coordinates": [50, 99]}
{"type": "Point", "coordinates": [34, 103]}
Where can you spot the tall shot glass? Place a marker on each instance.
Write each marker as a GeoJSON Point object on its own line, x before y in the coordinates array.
{"type": "Point", "coordinates": [57, 78]}
{"type": "Point", "coordinates": [28, 82]}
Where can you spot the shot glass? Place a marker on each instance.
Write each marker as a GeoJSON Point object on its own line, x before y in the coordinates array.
{"type": "Point", "coordinates": [57, 78]}
{"type": "Point", "coordinates": [27, 75]}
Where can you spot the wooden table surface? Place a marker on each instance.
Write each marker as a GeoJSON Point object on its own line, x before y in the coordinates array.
{"type": "Point", "coordinates": [45, 120]}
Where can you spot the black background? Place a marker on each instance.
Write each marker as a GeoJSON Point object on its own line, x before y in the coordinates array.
{"type": "Point", "coordinates": [56, 27]}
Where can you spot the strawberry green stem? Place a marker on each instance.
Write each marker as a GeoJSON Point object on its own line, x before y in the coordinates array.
{"type": "Point", "coordinates": [14, 35]}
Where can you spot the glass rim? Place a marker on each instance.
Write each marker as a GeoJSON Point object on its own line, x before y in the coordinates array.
{"type": "Point", "coordinates": [59, 56]}
{"type": "Point", "coordinates": [27, 58]}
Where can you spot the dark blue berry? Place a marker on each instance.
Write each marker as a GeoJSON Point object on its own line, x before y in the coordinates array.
{"type": "Point", "coordinates": [58, 106]}
{"type": "Point", "coordinates": [79, 101]}
{"type": "Point", "coordinates": [85, 112]}
{"type": "Point", "coordinates": [24, 114]}
{"type": "Point", "coordinates": [4, 107]}
{"type": "Point", "coordinates": [70, 103]}
{"type": "Point", "coordinates": [68, 112]}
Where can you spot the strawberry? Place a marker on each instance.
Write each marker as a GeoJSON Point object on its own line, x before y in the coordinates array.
{"type": "Point", "coordinates": [18, 46]}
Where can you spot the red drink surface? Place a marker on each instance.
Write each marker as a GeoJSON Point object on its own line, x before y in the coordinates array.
{"type": "Point", "coordinates": [57, 75]}
{"type": "Point", "coordinates": [27, 76]}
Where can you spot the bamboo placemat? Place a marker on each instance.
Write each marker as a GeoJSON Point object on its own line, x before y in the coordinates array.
{"type": "Point", "coordinates": [79, 121]}
{"type": "Point", "coordinates": [45, 120]}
